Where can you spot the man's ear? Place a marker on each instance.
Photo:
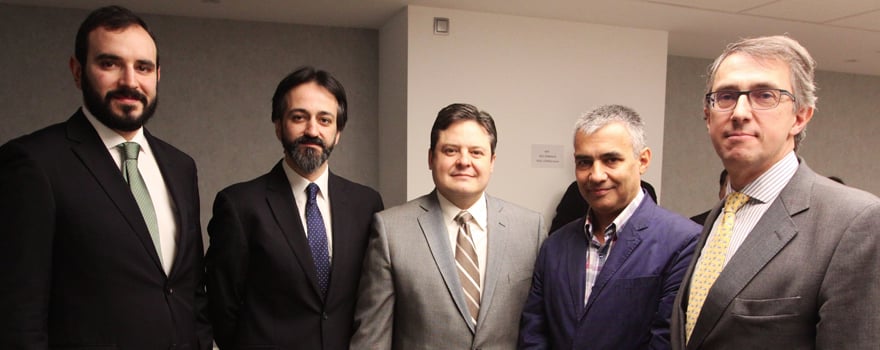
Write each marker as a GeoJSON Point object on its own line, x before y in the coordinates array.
{"type": "Point", "coordinates": [76, 70]}
{"type": "Point", "coordinates": [644, 160]}
{"type": "Point", "coordinates": [278, 128]}
{"type": "Point", "coordinates": [801, 119]}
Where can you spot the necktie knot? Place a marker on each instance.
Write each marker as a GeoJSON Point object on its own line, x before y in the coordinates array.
{"type": "Point", "coordinates": [463, 217]}
{"type": "Point", "coordinates": [130, 150]}
{"type": "Point", "coordinates": [312, 191]}
{"type": "Point", "coordinates": [735, 201]}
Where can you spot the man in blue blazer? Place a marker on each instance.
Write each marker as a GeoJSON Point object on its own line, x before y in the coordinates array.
{"type": "Point", "coordinates": [608, 280]}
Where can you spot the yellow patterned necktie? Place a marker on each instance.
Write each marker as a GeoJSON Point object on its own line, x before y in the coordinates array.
{"type": "Point", "coordinates": [710, 265]}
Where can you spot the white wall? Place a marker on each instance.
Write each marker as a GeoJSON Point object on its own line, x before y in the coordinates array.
{"type": "Point", "coordinates": [392, 109]}
{"type": "Point", "coordinates": [535, 76]}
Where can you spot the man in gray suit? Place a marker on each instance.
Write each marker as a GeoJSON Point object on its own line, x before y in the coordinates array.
{"type": "Point", "coordinates": [797, 265]}
{"type": "Point", "coordinates": [451, 269]}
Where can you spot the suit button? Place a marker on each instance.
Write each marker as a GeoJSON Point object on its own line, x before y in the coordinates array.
{"type": "Point", "coordinates": [324, 316]}
{"type": "Point", "coordinates": [169, 290]}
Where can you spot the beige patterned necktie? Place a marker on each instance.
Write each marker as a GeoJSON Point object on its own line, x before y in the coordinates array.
{"type": "Point", "coordinates": [710, 265]}
{"type": "Point", "coordinates": [132, 175]}
{"type": "Point", "coordinates": [468, 266]}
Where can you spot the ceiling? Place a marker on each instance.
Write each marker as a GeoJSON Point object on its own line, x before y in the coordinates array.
{"type": "Point", "coordinates": [843, 36]}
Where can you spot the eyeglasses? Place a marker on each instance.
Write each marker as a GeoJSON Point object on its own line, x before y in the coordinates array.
{"type": "Point", "coordinates": [759, 99]}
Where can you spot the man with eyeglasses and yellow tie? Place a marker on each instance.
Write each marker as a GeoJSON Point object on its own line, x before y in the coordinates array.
{"type": "Point", "coordinates": [790, 259]}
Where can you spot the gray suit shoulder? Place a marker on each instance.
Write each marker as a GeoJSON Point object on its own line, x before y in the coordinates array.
{"type": "Point", "coordinates": [833, 202]}
{"type": "Point", "coordinates": [510, 207]}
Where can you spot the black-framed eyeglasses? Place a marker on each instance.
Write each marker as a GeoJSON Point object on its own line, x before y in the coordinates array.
{"type": "Point", "coordinates": [759, 99]}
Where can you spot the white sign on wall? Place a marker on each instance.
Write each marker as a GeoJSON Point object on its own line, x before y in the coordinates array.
{"type": "Point", "coordinates": [546, 156]}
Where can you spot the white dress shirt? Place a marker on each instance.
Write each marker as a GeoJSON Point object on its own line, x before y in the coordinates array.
{"type": "Point", "coordinates": [762, 192]}
{"type": "Point", "coordinates": [298, 185]}
{"type": "Point", "coordinates": [149, 169]}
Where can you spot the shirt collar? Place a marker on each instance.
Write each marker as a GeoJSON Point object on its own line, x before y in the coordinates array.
{"type": "Point", "coordinates": [299, 183]}
{"type": "Point", "coordinates": [112, 139]}
{"type": "Point", "coordinates": [478, 210]}
{"type": "Point", "coordinates": [768, 185]}
{"type": "Point", "coordinates": [621, 218]}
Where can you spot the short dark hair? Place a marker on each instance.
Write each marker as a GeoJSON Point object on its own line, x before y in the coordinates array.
{"type": "Point", "coordinates": [308, 74]}
{"type": "Point", "coordinates": [110, 18]}
{"type": "Point", "coordinates": [461, 112]}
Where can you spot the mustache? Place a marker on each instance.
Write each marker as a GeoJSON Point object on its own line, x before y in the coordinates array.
{"type": "Point", "coordinates": [310, 140]}
{"type": "Point", "coordinates": [125, 92]}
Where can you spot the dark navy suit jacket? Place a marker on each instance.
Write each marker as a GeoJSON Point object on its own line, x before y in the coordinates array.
{"type": "Point", "coordinates": [262, 282]}
{"type": "Point", "coordinates": [631, 301]}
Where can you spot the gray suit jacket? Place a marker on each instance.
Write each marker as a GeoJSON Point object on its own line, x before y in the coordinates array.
{"type": "Point", "coordinates": [410, 296]}
{"type": "Point", "coordinates": [806, 277]}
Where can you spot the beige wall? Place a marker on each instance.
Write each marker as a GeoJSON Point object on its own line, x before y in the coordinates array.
{"type": "Point", "coordinates": [536, 77]}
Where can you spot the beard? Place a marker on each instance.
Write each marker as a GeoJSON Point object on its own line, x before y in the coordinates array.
{"type": "Point", "coordinates": [103, 111]}
{"type": "Point", "coordinates": [307, 159]}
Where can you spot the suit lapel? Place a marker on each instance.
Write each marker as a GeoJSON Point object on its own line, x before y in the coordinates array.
{"type": "Point", "coordinates": [89, 148]}
{"type": "Point", "coordinates": [771, 234]}
{"type": "Point", "coordinates": [627, 241]}
{"type": "Point", "coordinates": [684, 288]}
{"type": "Point", "coordinates": [178, 197]}
{"type": "Point", "coordinates": [431, 222]}
{"type": "Point", "coordinates": [279, 196]}
{"type": "Point", "coordinates": [575, 266]}
{"type": "Point", "coordinates": [498, 235]}
{"type": "Point", "coordinates": [342, 247]}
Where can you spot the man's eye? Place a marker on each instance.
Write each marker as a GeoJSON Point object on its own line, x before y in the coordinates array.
{"type": "Point", "coordinates": [764, 95]}
{"type": "Point", "coordinates": [726, 96]}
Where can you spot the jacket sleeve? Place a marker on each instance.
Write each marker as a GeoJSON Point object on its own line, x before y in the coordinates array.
{"type": "Point", "coordinates": [374, 313]}
{"type": "Point", "coordinates": [533, 332]}
{"type": "Point", "coordinates": [27, 210]}
{"type": "Point", "coordinates": [226, 267]}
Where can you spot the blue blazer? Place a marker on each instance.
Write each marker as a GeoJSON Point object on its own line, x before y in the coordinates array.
{"type": "Point", "coordinates": [631, 301]}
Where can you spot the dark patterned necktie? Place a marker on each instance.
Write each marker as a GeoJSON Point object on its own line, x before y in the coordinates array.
{"type": "Point", "coordinates": [317, 234]}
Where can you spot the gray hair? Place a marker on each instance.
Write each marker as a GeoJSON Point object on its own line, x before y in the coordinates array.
{"type": "Point", "coordinates": [801, 65]}
{"type": "Point", "coordinates": [601, 116]}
